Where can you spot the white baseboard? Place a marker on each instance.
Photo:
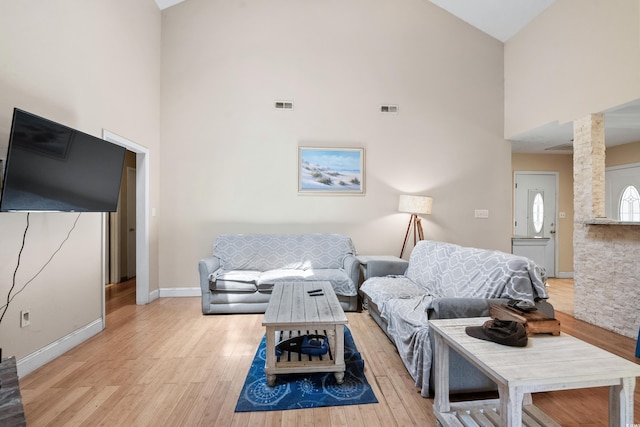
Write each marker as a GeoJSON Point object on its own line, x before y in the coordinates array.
{"type": "Point", "coordinates": [180, 292]}
{"type": "Point", "coordinates": [565, 275]}
{"type": "Point", "coordinates": [41, 357]}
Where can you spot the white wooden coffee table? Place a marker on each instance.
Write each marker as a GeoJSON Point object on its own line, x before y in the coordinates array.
{"type": "Point", "coordinates": [547, 363]}
{"type": "Point", "coordinates": [292, 311]}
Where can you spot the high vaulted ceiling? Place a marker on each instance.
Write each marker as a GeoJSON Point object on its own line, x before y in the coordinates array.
{"type": "Point", "coordinates": [502, 19]}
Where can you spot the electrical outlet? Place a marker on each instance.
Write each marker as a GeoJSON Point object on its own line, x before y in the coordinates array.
{"type": "Point", "coordinates": [562, 215]}
{"type": "Point", "coordinates": [25, 318]}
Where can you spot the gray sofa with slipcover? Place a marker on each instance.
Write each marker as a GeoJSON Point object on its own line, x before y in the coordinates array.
{"type": "Point", "coordinates": [442, 281]}
{"type": "Point", "coordinates": [239, 276]}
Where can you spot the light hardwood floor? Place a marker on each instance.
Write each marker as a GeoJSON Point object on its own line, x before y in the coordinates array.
{"type": "Point", "coordinates": [165, 364]}
{"type": "Point", "coordinates": [561, 294]}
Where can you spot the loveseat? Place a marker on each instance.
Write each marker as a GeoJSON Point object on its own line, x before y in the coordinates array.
{"type": "Point", "coordinates": [239, 276]}
{"type": "Point", "coordinates": [444, 281]}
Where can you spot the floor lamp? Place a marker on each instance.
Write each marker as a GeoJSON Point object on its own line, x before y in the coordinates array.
{"type": "Point", "coordinates": [415, 205]}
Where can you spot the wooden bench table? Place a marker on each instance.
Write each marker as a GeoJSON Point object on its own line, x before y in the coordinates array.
{"type": "Point", "coordinates": [292, 311]}
{"type": "Point", "coordinates": [547, 363]}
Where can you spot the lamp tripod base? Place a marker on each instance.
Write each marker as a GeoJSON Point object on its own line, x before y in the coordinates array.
{"type": "Point", "coordinates": [415, 224]}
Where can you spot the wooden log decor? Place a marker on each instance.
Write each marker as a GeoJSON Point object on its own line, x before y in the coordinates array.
{"type": "Point", "coordinates": [534, 322]}
{"type": "Point", "coordinates": [11, 409]}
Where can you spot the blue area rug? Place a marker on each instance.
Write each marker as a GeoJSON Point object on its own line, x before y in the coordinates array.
{"type": "Point", "coordinates": [295, 391]}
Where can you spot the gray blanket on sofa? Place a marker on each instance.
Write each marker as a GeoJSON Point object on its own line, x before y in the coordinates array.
{"type": "Point", "coordinates": [443, 270]}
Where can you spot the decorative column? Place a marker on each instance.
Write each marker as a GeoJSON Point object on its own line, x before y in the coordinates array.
{"type": "Point", "coordinates": [588, 203]}
{"type": "Point", "coordinates": [605, 260]}
{"type": "Point", "coordinates": [588, 168]}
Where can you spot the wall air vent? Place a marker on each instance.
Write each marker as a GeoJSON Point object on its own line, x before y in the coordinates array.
{"type": "Point", "coordinates": [388, 108]}
{"type": "Point", "coordinates": [284, 105]}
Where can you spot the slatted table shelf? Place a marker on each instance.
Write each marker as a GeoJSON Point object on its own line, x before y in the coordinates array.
{"type": "Point", "coordinates": [485, 413]}
{"type": "Point", "coordinates": [292, 311]}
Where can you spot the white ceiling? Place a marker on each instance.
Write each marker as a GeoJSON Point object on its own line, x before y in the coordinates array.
{"type": "Point", "coordinates": [502, 19]}
{"type": "Point", "coordinates": [163, 4]}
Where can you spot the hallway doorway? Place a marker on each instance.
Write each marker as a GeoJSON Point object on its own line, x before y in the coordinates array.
{"type": "Point", "coordinates": [121, 226]}
{"type": "Point", "coordinates": [142, 215]}
{"type": "Point", "coordinates": [119, 295]}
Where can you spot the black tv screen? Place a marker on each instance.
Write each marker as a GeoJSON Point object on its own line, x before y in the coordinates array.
{"type": "Point", "coordinates": [53, 168]}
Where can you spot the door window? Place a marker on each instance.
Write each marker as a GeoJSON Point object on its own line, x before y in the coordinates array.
{"type": "Point", "coordinates": [535, 213]}
{"type": "Point", "coordinates": [630, 204]}
{"type": "Point", "coordinates": [538, 212]}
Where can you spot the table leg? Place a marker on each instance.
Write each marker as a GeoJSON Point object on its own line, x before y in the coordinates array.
{"type": "Point", "coordinates": [339, 352]}
{"type": "Point", "coordinates": [271, 380]}
{"type": "Point", "coordinates": [510, 405]}
{"type": "Point", "coordinates": [441, 402]}
{"type": "Point", "coordinates": [271, 356]}
{"type": "Point", "coordinates": [621, 402]}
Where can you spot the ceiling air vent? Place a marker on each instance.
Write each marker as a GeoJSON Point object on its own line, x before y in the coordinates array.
{"type": "Point", "coordinates": [284, 105]}
{"type": "Point", "coordinates": [388, 108]}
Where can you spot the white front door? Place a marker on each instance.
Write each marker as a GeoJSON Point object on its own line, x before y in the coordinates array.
{"type": "Point", "coordinates": [535, 213]}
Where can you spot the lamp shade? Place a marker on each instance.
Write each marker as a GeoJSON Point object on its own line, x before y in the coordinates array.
{"type": "Point", "coordinates": [415, 204]}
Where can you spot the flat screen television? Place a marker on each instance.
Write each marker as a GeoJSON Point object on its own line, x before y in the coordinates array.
{"type": "Point", "coordinates": [53, 168]}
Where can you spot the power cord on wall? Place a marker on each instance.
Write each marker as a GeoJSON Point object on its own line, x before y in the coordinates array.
{"type": "Point", "coordinates": [15, 272]}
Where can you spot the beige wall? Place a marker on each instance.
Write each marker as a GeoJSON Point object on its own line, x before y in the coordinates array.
{"type": "Point", "coordinates": [230, 159]}
{"type": "Point", "coordinates": [623, 154]}
{"type": "Point", "coordinates": [563, 164]}
{"type": "Point", "coordinates": [88, 65]}
{"type": "Point", "coordinates": [577, 57]}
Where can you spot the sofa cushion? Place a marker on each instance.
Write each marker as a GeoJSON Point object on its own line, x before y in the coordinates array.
{"type": "Point", "coordinates": [234, 281]}
{"type": "Point", "coordinates": [382, 289]}
{"type": "Point", "coordinates": [283, 251]}
{"type": "Point", "coordinates": [231, 286]}
{"type": "Point", "coordinates": [342, 284]}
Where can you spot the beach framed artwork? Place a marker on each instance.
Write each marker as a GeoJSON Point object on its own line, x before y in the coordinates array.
{"type": "Point", "coordinates": [330, 170]}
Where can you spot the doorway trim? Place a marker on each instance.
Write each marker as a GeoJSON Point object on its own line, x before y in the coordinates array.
{"type": "Point", "coordinates": [131, 208]}
{"type": "Point", "coordinates": [142, 214]}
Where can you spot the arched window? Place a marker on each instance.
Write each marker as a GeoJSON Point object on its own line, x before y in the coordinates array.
{"type": "Point", "coordinates": [538, 212]}
{"type": "Point", "coordinates": [630, 204]}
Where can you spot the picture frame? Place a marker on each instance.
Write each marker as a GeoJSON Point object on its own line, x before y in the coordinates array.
{"type": "Point", "coordinates": [331, 170]}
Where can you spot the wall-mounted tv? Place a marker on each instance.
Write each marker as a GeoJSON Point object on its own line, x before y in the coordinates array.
{"type": "Point", "coordinates": [53, 168]}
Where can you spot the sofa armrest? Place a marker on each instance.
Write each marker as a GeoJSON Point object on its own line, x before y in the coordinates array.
{"type": "Point", "coordinates": [457, 308]}
{"type": "Point", "coordinates": [351, 266]}
{"type": "Point", "coordinates": [206, 267]}
{"type": "Point", "coordinates": [546, 308]}
{"type": "Point", "coordinates": [382, 265]}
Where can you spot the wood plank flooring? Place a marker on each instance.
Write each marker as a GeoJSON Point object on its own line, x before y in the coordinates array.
{"type": "Point", "coordinates": [165, 364]}
{"type": "Point", "coordinates": [561, 294]}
